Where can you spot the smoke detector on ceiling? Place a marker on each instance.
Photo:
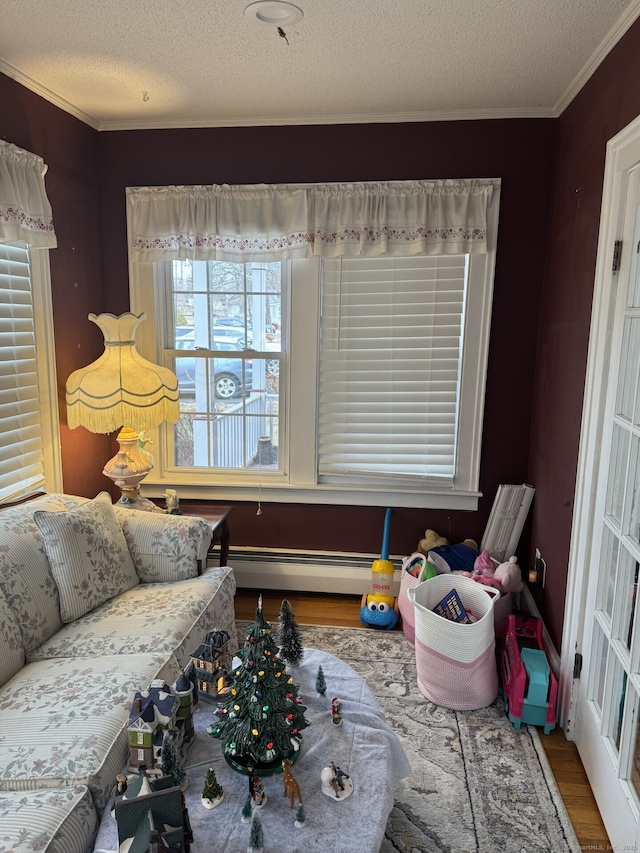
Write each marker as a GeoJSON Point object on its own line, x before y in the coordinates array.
{"type": "Point", "coordinates": [275, 13]}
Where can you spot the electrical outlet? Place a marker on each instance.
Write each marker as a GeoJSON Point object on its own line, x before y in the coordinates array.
{"type": "Point", "coordinates": [539, 572]}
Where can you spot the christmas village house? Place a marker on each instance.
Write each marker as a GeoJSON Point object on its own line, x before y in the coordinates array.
{"type": "Point", "coordinates": [152, 817]}
{"type": "Point", "coordinates": [211, 661]}
{"type": "Point", "coordinates": [154, 712]}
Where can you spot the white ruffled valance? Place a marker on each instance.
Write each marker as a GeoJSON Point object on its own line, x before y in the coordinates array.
{"type": "Point", "coordinates": [275, 222]}
{"type": "Point", "coordinates": [25, 212]}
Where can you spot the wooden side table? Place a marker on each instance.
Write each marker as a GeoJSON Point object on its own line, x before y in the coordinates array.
{"type": "Point", "coordinates": [217, 517]}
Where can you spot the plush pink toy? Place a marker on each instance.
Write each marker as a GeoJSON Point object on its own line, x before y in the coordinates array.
{"type": "Point", "coordinates": [488, 580]}
{"type": "Point", "coordinates": [509, 576]}
{"type": "Point", "coordinates": [484, 565]}
{"type": "Point", "coordinates": [505, 577]}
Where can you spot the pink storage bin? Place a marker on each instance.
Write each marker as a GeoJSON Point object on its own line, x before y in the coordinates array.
{"type": "Point", "coordinates": [406, 608]}
{"type": "Point", "coordinates": [456, 663]}
{"type": "Point", "coordinates": [501, 610]}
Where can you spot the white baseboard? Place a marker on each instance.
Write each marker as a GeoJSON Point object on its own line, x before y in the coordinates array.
{"type": "Point", "coordinates": [335, 573]}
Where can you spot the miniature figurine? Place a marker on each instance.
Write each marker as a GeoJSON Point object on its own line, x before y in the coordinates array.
{"type": "Point", "coordinates": [338, 774]}
{"type": "Point", "coordinates": [172, 503]}
{"type": "Point", "coordinates": [336, 719]}
{"type": "Point", "coordinates": [291, 787]}
{"type": "Point", "coordinates": [299, 822]}
{"type": "Point", "coordinates": [258, 796]}
{"type": "Point", "coordinates": [335, 782]}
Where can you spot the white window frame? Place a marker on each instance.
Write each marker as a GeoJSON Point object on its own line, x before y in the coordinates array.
{"type": "Point", "coordinates": [47, 376]}
{"type": "Point", "coordinates": [299, 373]}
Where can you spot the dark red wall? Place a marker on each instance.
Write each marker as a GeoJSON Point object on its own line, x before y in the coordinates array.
{"type": "Point", "coordinates": [605, 105]}
{"type": "Point", "coordinates": [70, 149]}
{"type": "Point", "coordinates": [518, 151]}
{"type": "Point", "coordinates": [552, 174]}
{"type": "Point", "coordinates": [88, 173]}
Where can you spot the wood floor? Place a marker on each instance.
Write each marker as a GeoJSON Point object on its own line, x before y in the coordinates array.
{"type": "Point", "coordinates": [320, 609]}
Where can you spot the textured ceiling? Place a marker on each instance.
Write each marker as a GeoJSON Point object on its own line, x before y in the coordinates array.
{"type": "Point", "coordinates": [162, 63]}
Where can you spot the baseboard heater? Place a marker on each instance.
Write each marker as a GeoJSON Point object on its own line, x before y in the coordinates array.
{"type": "Point", "coordinates": [306, 571]}
{"type": "Point", "coordinates": [329, 572]}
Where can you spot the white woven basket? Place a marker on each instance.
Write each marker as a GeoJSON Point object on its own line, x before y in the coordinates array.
{"type": "Point", "coordinates": [456, 663]}
{"type": "Point", "coordinates": [406, 608]}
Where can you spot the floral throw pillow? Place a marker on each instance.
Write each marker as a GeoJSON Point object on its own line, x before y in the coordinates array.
{"type": "Point", "coordinates": [88, 555]}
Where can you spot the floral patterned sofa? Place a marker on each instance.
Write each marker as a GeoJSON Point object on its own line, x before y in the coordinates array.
{"type": "Point", "coordinates": [95, 602]}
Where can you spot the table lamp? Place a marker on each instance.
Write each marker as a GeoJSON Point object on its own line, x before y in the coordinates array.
{"type": "Point", "coordinates": [122, 387]}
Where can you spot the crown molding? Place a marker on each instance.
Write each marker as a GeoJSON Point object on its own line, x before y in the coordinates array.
{"type": "Point", "coordinates": [47, 94]}
{"type": "Point", "coordinates": [624, 23]}
{"type": "Point", "coordinates": [357, 118]}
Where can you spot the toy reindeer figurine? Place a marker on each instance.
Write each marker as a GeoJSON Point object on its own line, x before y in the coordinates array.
{"type": "Point", "coordinates": [291, 787]}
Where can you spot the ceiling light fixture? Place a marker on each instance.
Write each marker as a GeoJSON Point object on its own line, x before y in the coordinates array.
{"type": "Point", "coordinates": [274, 13]}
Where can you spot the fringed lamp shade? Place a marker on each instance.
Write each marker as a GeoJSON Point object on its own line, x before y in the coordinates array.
{"type": "Point", "coordinates": [122, 387]}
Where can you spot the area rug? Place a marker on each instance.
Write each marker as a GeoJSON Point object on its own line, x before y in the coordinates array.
{"type": "Point", "coordinates": [477, 785]}
{"type": "Point", "coordinates": [472, 782]}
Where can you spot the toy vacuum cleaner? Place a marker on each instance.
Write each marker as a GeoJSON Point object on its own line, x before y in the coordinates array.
{"type": "Point", "coordinates": [379, 608]}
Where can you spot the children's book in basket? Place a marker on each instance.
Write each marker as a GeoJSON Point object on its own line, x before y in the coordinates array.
{"type": "Point", "coordinates": [452, 608]}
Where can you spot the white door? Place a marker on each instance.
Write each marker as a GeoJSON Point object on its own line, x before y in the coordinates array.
{"type": "Point", "coordinates": [605, 558]}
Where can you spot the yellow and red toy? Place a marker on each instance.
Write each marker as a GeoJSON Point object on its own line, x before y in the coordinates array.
{"type": "Point", "coordinates": [379, 608]}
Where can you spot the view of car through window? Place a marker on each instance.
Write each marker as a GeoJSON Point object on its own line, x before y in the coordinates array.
{"type": "Point", "coordinates": [229, 380]}
{"type": "Point", "coordinates": [226, 320]}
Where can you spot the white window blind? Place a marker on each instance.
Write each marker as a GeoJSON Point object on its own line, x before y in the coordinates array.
{"type": "Point", "coordinates": [21, 453]}
{"type": "Point", "coordinates": [390, 366]}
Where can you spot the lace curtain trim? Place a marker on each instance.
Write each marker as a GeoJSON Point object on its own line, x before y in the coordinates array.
{"type": "Point", "coordinates": [25, 212]}
{"type": "Point", "coordinates": [257, 223]}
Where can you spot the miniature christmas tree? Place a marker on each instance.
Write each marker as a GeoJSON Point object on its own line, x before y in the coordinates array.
{"type": "Point", "coordinates": [291, 648]}
{"type": "Point", "coordinates": [260, 720]}
{"type": "Point", "coordinates": [300, 818]}
{"type": "Point", "coordinates": [246, 810]}
{"type": "Point", "coordinates": [170, 760]}
{"type": "Point", "coordinates": [192, 675]}
{"type": "Point", "coordinates": [321, 684]}
{"type": "Point", "coordinates": [256, 839]}
{"type": "Point", "coordinates": [212, 792]}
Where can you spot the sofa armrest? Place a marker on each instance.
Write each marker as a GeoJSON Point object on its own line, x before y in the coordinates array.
{"type": "Point", "coordinates": [165, 547]}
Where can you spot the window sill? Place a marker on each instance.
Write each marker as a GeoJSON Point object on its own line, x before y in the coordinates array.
{"type": "Point", "coordinates": [319, 494]}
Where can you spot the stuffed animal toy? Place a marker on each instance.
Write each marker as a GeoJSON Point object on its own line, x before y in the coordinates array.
{"type": "Point", "coordinates": [509, 575]}
{"type": "Point", "coordinates": [484, 565]}
{"type": "Point", "coordinates": [451, 558]}
{"type": "Point", "coordinates": [505, 577]}
{"type": "Point", "coordinates": [431, 540]}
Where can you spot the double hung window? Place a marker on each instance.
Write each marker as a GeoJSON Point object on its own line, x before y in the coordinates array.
{"type": "Point", "coordinates": [329, 376]}
{"type": "Point", "coordinates": [29, 428]}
